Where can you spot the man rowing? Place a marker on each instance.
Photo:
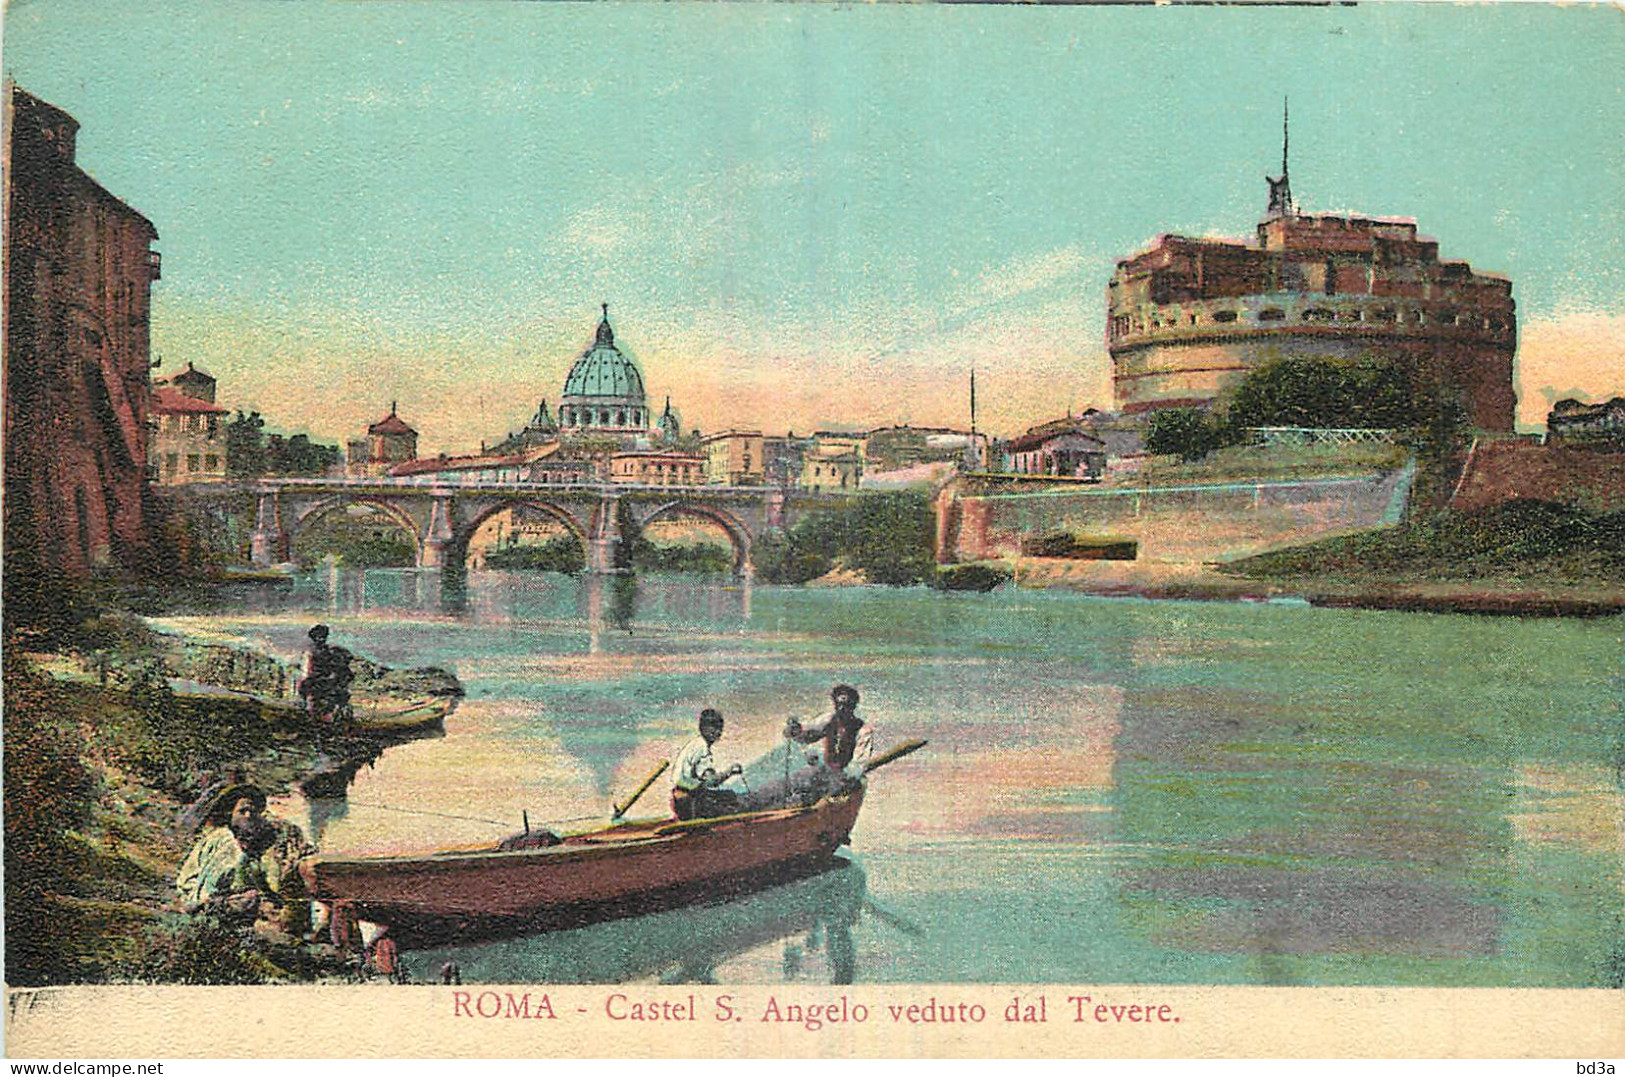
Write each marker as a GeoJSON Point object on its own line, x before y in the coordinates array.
{"type": "Point", "coordinates": [696, 792]}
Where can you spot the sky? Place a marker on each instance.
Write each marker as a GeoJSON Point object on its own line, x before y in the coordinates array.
{"type": "Point", "coordinates": [800, 215]}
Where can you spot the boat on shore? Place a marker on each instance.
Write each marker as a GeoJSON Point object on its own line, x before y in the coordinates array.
{"type": "Point", "coordinates": [619, 870]}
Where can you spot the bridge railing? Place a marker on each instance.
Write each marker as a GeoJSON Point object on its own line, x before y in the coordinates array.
{"type": "Point", "coordinates": [419, 482]}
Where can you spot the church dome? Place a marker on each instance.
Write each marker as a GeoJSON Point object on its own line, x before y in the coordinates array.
{"type": "Point", "coordinates": [603, 371]}
{"type": "Point", "coordinates": [603, 393]}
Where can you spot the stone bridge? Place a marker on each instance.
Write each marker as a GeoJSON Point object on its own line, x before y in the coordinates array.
{"type": "Point", "coordinates": [442, 517]}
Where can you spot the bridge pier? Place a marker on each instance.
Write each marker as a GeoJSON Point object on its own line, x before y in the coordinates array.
{"type": "Point", "coordinates": [438, 537]}
{"type": "Point", "coordinates": [265, 542]}
{"type": "Point", "coordinates": [604, 546]}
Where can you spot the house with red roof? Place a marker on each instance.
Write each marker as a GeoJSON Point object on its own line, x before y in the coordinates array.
{"type": "Point", "coordinates": [188, 442]}
{"type": "Point", "coordinates": [389, 443]}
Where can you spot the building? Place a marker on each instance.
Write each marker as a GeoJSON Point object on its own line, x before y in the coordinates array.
{"type": "Point", "coordinates": [733, 458]}
{"type": "Point", "coordinates": [389, 443]}
{"type": "Point", "coordinates": [670, 425]}
{"type": "Point", "coordinates": [542, 464]}
{"type": "Point", "coordinates": [893, 448]}
{"type": "Point", "coordinates": [829, 444]}
{"type": "Point", "coordinates": [79, 275]}
{"type": "Point", "coordinates": [1189, 318]}
{"type": "Point", "coordinates": [188, 442]}
{"type": "Point", "coordinates": [1571, 422]}
{"type": "Point", "coordinates": [656, 468]}
{"type": "Point", "coordinates": [782, 458]}
{"type": "Point", "coordinates": [831, 467]}
{"type": "Point", "coordinates": [603, 393]}
{"type": "Point", "coordinates": [541, 430]}
{"type": "Point", "coordinates": [191, 382]}
{"type": "Point", "coordinates": [1063, 448]}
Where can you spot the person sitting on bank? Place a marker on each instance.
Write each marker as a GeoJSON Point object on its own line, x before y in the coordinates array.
{"type": "Point", "coordinates": [243, 865]}
{"type": "Point", "coordinates": [694, 792]}
{"type": "Point", "coordinates": [847, 741]}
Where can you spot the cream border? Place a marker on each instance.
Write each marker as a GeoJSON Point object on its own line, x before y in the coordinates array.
{"type": "Point", "coordinates": [422, 1022]}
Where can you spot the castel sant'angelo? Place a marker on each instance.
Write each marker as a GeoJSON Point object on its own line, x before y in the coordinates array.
{"type": "Point", "coordinates": [1189, 318]}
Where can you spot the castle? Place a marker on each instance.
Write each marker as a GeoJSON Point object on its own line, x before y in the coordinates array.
{"type": "Point", "coordinates": [1189, 318]}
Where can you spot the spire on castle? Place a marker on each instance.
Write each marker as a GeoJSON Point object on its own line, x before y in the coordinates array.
{"type": "Point", "coordinates": [606, 335]}
{"type": "Point", "coordinates": [1281, 204]}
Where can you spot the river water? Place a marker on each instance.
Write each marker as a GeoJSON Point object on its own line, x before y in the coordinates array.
{"type": "Point", "coordinates": [1115, 790]}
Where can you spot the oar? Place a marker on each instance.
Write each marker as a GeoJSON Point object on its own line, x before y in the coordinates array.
{"type": "Point", "coordinates": [906, 748]}
{"type": "Point", "coordinates": [622, 809]}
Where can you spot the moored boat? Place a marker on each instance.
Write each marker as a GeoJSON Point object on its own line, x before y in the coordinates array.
{"type": "Point", "coordinates": [619, 870]}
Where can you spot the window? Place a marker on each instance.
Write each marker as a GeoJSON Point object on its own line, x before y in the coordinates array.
{"type": "Point", "coordinates": [1318, 314]}
{"type": "Point", "coordinates": [191, 461]}
{"type": "Point", "coordinates": [211, 462]}
{"type": "Point", "coordinates": [172, 463]}
{"type": "Point", "coordinates": [1272, 314]}
{"type": "Point", "coordinates": [1224, 316]}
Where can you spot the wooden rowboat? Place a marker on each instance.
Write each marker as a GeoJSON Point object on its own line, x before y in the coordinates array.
{"type": "Point", "coordinates": [616, 871]}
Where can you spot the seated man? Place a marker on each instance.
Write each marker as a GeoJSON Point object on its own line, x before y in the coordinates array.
{"type": "Point", "coordinates": [243, 865]}
{"type": "Point", "coordinates": [694, 792]}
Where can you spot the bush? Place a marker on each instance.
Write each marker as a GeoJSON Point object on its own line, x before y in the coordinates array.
{"type": "Point", "coordinates": [1188, 433]}
{"type": "Point", "coordinates": [779, 558]}
{"type": "Point", "coordinates": [1310, 392]}
{"type": "Point", "coordinates": [888, 537]}
{"type": "Point", "coordinates": [971, 577]}
{"type": "Point", "coordinates": [705, 558]}
{"type": "Point", "coordinates": [203, 950]}
{"type": "Point", "coordinates": [561, 554]}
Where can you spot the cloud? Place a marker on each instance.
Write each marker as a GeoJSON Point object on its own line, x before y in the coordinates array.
{"type": "Point", "coordinates": [1023, 275]}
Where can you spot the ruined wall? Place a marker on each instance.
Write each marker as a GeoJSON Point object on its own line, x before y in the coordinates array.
{"type": "Point", "coordinates": [1503, 470]}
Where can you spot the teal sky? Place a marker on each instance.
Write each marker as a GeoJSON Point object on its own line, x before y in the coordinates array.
{"type": "Point", "coordinates": [799, 214]}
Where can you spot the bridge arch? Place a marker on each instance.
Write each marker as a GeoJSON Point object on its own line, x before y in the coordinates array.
{"type": "Point", "coordinates": [307, 514]}
{"type": "Point", "coordinates": [739, 535]}
{"type": "Point", "coordinates": [457, 549]}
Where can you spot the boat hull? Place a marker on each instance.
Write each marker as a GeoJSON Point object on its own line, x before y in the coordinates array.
{"type": "Point", "coordinates": [619, 871]}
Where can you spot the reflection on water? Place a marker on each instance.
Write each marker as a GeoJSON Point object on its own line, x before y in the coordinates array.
{"type": "Point", "coordinates": [1115, 790]}
{"type": "Point", "coordinates": [805, 926]}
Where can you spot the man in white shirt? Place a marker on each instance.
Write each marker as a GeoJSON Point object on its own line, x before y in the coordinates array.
{"type": "Point", "coordinates": [694, 792]}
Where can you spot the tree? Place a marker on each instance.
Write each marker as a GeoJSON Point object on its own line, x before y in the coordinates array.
{"type": "Point", "coordinates": [1188, 433]}
{"type": "Point", "coordinates": [1369, 393]}
{"type": "Point", "coordinates": [245, 446]}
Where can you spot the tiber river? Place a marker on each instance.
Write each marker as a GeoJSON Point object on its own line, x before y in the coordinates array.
{"type": "Point", "coordinates": [1115, 790]}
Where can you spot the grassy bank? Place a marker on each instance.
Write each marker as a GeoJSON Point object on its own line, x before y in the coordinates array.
{"type": "Point", "coordinates": [101, 758]}
{"type": "Point", "coordinates": [1516, 557]}
{"type": "Point", "coordinates": [96, 779]}
{"type": "Point", "coordinates": [1521, 596]}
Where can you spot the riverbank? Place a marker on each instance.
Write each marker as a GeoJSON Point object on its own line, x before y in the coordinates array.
{"type": "Point", "coordinates": [1204, 582]}
{"type": "Point", "coordinates": [107, 746]}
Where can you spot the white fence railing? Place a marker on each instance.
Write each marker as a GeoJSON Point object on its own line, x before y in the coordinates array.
{"type": "Point", "coordinates": [1319, 435]}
